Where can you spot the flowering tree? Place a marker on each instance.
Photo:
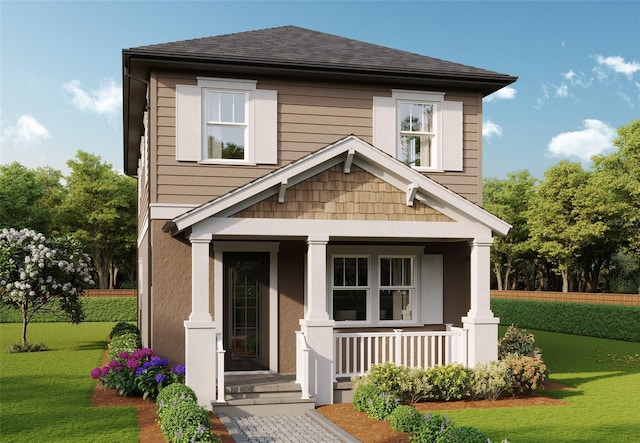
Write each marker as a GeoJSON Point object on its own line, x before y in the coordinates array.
{"type": "Point", "coordinates": [42, 275]}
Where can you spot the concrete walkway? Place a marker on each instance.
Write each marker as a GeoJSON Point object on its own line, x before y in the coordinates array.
{"type": "Point", "coordinates": [311, 427]}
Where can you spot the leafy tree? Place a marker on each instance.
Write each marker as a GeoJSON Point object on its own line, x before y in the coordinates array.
{"type": "Point", "coordinates": [558, 231]}
{"type": "Point", "coordinates": [99, 212]}
{"type": "Point", "coordinates": [39, 274]}
{"type": "Point", "coordinates": [509, 200]}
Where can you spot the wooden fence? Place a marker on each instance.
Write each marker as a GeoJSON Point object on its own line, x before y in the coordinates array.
{"type": "Point", "coordinates": [110, 293]}
{"type": "Point", "coordinates": [570, 297]}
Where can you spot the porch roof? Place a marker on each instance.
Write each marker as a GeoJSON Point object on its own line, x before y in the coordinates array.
{"type": "Point", "coordinates": [349, 151]}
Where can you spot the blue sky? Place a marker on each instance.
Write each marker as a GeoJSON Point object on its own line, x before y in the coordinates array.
{"type": "Point", "coordinates": [578, 65]}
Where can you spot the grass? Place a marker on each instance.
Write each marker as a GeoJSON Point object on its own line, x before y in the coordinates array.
{"type": "Point", "coordinates": [46, 396]}
{"type": "Point", "coordinates": [602, 407]}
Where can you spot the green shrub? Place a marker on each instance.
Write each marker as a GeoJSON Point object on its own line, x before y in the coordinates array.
{"type": "Point", "coordinates": [490, 380]}
{"type": "Point", "coordinates": [519, 342]}
{"type": "Point", "coordinates": [122, 328]}
{"type": "Point", "coordinates": [369, 398]}
{"type": "Point", "coordinates": [388, 377]}
{"type": "Point", "coordinates": [432, 428]}
{"type": "Point", "coordinates": [405, 418]}
{"type": "Point", "coordinates": [450, 382]}
{"type": "Point", "coordinates": [589, 319]}
{"type": "Point", "coordinates": [462, 434]}
{"type": "Point", "coordinates": [171, 395]}
{"type": "Point", "coordinates": [415, 386]}
{"type": "Point", "coordinates": [16, 348]}
{"type": "Point", "coordinates": [528, 373]}
{"type": "Point", "coordinates": [187, 423]}
{"type": "Point", "coordinates": [127, 342]}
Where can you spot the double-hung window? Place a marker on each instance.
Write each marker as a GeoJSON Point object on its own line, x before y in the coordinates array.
{"type": "Point", "coordinates": [420, 129]}
{"type": "Point", "coordinates": [397, 287]}
{"type": "Point", "coordinates": [350, 287]}
{"type": "Point", "coordinates": [225, 122]}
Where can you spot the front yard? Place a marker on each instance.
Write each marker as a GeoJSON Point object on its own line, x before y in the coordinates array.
{"type": "Point", "coordinates": [46, 396]}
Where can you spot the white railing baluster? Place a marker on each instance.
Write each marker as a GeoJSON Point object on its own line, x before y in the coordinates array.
{"type": "Point", "coordinates": [220, 367]}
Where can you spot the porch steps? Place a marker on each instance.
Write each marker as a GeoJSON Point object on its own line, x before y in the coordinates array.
{"type": "Point", "coordinates": [262, 395]}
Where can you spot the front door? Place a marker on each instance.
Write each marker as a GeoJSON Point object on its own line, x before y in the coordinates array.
{"type": "Point", "coordinates": [246, 310]}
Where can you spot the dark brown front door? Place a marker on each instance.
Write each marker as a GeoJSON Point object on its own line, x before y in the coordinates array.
{"type": "Point", "coordinates": [246, 310]}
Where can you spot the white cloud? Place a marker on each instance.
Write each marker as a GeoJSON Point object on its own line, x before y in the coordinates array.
{"type": "Point", "coordinates": [506, 93]}
{"type": "Point", "coordinates": [105, 101]}
{"type": "Point", "coordinates": [619, 65]}
{"type": "Point", "coordinates": [489, 129]}
{"type": "Point", "coordinates": [562, 91]}
{"type": "Point", "coordinates": [595, 138]}
{"type": "Point", "coordinates": [27, 131]}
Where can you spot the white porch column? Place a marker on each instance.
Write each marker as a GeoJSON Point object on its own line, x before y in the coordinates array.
{"type": "Point", "coordinates": [200, 330]}
{"type": "Point", "coordinates": [480, 322]}
{"type": "Point", "coordinates": [316, 325]}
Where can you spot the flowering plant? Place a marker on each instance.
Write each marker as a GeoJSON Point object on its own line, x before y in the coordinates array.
{"type": "Point", "coordinates": [138, 373]}
{"type": "Point", "coordinates": [35, 272]}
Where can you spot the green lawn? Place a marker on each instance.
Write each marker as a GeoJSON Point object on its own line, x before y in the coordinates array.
{"type": "Point", "coordinates": [46, 396]}
{"type": "Point", "coordinates": [604, 405]}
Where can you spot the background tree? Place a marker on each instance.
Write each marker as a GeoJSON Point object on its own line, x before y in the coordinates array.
{"type": "Point", "coordinates": [99, 211]}
{"type": "Point", "coordinates": [509, 200]}
{"type": "Point", "coordinates": [557, 231]}
{"type": "Point", "coordinates": [38, 274]}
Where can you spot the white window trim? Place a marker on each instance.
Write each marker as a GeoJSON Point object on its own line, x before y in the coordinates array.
{"type": "Point", "coordinates": [426, 97]}
{"type": "Point", "coordinates": [373, 302]}
{"type": "Point", "coordinates": [246, 87]}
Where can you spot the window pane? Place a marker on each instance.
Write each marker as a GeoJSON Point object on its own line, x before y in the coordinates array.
{"type": "Point", "coordinates": [396, 272]}
{"type": "Point", "coordinates": [338, 271]}
{"type": "Point", "coordinates": [395, 304]}
{"type": "Point", "coordinates": [225, 142]}
{"type": "Point", "coordinates": [406, 122]}
{"type": "Point", "coordinates": [363, 272]}
{"type": "Point", "coordinates": [226, 107]}
{"type": "Point", "coordinates": [213, 106]}
{"type": "Point", "coordinates": [349, 304]}
{"type": "Point", "coordinates": [350, 270]}
{"type": "Point", "coordinates": [415, 150]}
{"type": "Point", "coordinates": [238, 108]}
{"type": "Point", "coordinates": [385, 272]}
{"type": "Point", "coordinates": [426, 117]}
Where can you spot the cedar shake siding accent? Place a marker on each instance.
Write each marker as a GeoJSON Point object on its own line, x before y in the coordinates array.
{"type": "Point", "coordinates": [334, 195]}
{"type": "Point", "coordinates": [311, 115]}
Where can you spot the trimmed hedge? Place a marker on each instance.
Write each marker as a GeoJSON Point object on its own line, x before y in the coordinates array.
{"type": "Point", "coordinates": [614, 322]}
{"type": "Point", "coordinates": [95, 310]}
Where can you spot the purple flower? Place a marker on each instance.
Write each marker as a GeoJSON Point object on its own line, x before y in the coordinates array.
{"type": "Point", "coordinates": [115, 365]}
{"type": "Point", "coordinates": [179, 370]}
{"type": "Point", "coordinates": [139, 371]}
{"type": "Point", "coordinates": [160, 378]}
{"type": "Point", "coordinates": [123, 355]}
{"type": "Point", "coordinates": [96, 373]}
{"type": "Point", "coordinates": [157, 361]}
{"type": "Point", "coordinates": [132, 364]}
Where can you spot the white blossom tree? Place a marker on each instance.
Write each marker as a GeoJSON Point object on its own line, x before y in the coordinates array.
{"type": "Point", "coordinates": [42, 275]}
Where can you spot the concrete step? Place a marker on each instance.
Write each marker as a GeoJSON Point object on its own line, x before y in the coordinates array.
{"type": "Point", "coordinates": [263, 407]}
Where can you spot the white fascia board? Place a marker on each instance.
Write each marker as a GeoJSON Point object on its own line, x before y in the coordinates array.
{"type": "Point", "coordinates": [168, 211]}
{"type": "Point", "coordinates": [352, 229]}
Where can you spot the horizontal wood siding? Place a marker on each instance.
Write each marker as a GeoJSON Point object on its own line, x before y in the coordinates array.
{"type": "Point", "coordinates": [311, 115]}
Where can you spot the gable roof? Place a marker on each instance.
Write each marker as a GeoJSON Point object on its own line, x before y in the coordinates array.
{"type": "Point", "coordinates": [361, 153]}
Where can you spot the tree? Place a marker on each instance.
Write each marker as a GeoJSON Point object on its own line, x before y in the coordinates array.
{"type": "Point", "coordinates": [557, 229]}
{"type": "Point", "coordinates": [38, 274]}
{"type": "Point", "coordinates": [100, 212]}
{"type": "Point", "coordinates": [509, 200]}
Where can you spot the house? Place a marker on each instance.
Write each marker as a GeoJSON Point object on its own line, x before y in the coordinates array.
{"type": "Point", "coordinates": [308, 204]}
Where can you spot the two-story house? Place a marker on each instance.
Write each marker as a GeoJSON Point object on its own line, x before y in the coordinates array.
{"type": "Point", "coordinates": [308, 204]}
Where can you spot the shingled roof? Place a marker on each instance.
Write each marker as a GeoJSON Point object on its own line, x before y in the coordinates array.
{"type": "Point", "coordinates": [291, 46]}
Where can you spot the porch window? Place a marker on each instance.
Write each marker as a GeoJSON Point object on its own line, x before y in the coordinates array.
{"type": "Point", "coordinates": [397, 288]}
{"type": "Point", "coordinates": [350, 288]}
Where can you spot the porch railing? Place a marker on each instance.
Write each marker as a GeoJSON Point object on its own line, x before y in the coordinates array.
{"type": "Point", "coordinates": [302, 364]}
{"type": "Point", "coordinates": [220, 367]}
{"type": "Point", "coordinates": [356, 352]}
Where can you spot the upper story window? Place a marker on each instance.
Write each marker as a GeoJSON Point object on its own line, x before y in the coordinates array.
{"type": "Point", "coordinates": [226, 121]}
{"type": "Point", "coordinates": [420, 129]}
